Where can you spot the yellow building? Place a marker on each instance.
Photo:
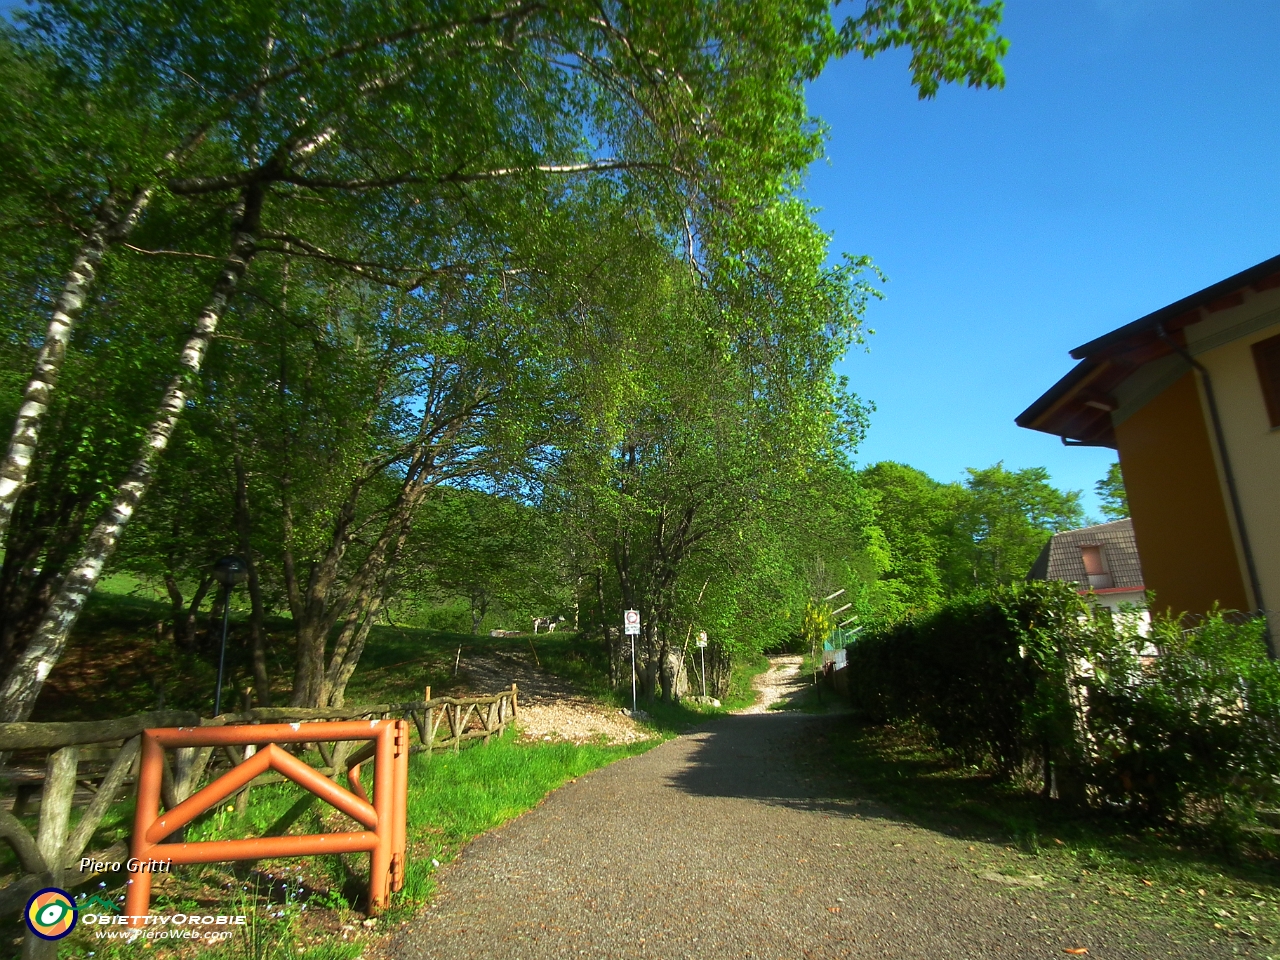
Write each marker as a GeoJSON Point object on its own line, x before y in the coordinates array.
{"type": "Point", "coordinates": [1190, 398]}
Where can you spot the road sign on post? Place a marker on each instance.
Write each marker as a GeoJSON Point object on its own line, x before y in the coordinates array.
{"type": "Point", "coordinates": [631, 627]}
{"type": "Point", "coordinates": [702, 647]}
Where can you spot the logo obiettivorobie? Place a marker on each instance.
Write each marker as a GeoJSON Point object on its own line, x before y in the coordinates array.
{"type": "Point", "coordinates": [51, 914]}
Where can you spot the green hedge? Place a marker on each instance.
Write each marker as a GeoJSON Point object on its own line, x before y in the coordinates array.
{"type": "Point", "coordinates": [1193, 732]}
{"type": "Point", "coordinates": [1032, 679]}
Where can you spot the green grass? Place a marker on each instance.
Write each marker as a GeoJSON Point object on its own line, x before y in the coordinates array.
{"type": "Point", "coordinates": [1205, 883]}
{"type": "Point", "coordinates": [812, 699]}
{"type": "Point", "coordinates": [741, 692]}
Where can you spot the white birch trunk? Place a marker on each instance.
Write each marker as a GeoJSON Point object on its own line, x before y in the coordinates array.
{"type": "Point", "coordinates": [22, 687]}
{"type": "Point", "coordinates": [66, 310]}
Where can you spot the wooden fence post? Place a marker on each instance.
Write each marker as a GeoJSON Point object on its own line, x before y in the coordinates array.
{"type": "Point", "coordinates": [55, 808]}
{"type": "Point", "coordinates": [428, 738]}
{"type": "Point", "coordinates": [51, 838]}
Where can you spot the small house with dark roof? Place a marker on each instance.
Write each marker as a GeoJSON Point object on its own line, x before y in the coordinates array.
{"type": "Point", "coordinates": [1101, 560]}
{"type": "Point", "coordinates": [1189, 396]}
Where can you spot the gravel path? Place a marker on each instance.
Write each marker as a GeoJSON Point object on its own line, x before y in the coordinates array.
{"type": "Point", "coordinates": [550, 708]}
{"type": "Point", "coordinates": [781, 681]}
{"type": "Point", "coordinates": [723, 843]}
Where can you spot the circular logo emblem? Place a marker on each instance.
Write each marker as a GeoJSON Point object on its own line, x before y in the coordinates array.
{"type": "Point", "coordinates": [51, 914]}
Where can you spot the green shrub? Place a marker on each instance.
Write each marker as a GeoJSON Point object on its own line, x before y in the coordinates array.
{"type": "Point", "coordinates": [987, 672]}
{"type": "Point", "coordinates": [1033, 678]}
{"type": "Point", "coordinates": [1193, 732]}
{"type": "Point", "coordinates": [448, 619]}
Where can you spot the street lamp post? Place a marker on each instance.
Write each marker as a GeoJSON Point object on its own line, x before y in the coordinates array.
{"type": "Point", "coordinates": [228, 571]}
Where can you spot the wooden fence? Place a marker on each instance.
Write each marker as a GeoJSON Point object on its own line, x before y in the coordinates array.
{"type": "Point", "coordinates": [101, 759]}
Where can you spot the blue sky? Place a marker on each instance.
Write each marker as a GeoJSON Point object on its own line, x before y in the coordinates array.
{"type": "Point", "coordinates": [1131, 159]}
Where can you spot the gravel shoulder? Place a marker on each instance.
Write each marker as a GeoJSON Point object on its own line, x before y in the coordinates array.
{"type": "Point", "coordinates": [732, 842]}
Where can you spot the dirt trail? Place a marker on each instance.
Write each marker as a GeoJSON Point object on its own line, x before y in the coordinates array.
{"type": "Point", "coordinates": [550, 708]}
{"type": "Point", "coordinates": [781, 681]}
{"type": "Point", "coordinates": [730, 842]}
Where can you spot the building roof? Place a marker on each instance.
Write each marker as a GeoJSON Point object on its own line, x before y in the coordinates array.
{"type": "Point", "coordinates": [1078, 407]}
{"type": "Point", "coordinates": [1061, 558]}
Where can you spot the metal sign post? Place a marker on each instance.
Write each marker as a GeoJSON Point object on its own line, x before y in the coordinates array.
{"type": "Point", "coordinates": [631, 626]}
{"type": "Point", "coordinates": [702, 647]}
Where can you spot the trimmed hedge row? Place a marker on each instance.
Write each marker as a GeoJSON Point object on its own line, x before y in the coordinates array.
{"type": "Point", "coordinates": [1031, 679]}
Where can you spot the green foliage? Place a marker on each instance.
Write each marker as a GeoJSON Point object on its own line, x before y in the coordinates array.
{"type": "Point", "coordinates": [950, 40]}
{"type": "Point", "coordinates": [530, 284]}
{"type": "Point", "coordinates": [917, 518]}
{"type": "Point", "coordinates": [1006, 519]}
{"type": "Point", "coordinates": [944, 540]}
{"type": "Point", "coordinates": [1110, 490]}
{"type": "Point", "coordinates": [1194, 732]}
{"type": "Point", "coordinates": [499, 555]}
{"type": "Point", "coordinates": [1179, 726]}
{"type": "Point", "coordinates": [985, 671]}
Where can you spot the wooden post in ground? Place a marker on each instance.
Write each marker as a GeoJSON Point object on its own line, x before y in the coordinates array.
{"type": "Point", "coordinates": [515, 703]}
{"type": "Point", "coordinates": [55, 807]}
{"type": "Point", "coordinates": [428, 740]}
{"type": "Point", "coordinates": [51, 836]}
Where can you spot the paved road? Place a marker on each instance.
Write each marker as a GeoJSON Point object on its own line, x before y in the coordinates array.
{"type": "Point", "coordinates": [723, 844]}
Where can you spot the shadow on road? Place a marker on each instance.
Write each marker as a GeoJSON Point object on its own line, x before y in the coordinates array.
{"type": "Point", "coordinates": [772, 758]}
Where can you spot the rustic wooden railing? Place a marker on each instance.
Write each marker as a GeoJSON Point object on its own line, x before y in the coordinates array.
{"type": "Point", "coordinates": [383, 817]}
{"type": "Point", "coordinates": [102, 758]}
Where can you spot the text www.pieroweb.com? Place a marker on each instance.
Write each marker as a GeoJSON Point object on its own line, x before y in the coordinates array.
{"type": "Point", "coordinates": [213, 936]}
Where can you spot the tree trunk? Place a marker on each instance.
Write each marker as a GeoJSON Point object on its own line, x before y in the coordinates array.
{"type": "Point", "coordinates": [313, 680]}
{"type": "Point", "coordinates": [675, 676]}
{"type": "Point", "coordinates": [315, 614]}
{"type": "Point", "coordinates": [348, 649]}
{"type": "Point", "coordinates": [366, 604]}
{"type": "Point", "coordinates": [257, 632]}
{"type": "Point", "coordinates": [18, 696]}
{"type": "Point", "coordinates": [66, 310]}
{"type": "Point", "coordinates": [610, 646]}
{"type": "Point", "coordinates": [184, 614]}
{"type": "Point", "coordinates": [719, 671]}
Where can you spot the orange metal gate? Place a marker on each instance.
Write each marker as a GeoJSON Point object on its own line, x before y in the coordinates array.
{"type": "Point", "coordinates": [384, 818]}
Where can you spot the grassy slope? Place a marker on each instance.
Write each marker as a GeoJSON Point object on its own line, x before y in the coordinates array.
{"type": "Point", "coordinates": [1214, 890]}
{"type": "Point", "coordinates": [119, 663]}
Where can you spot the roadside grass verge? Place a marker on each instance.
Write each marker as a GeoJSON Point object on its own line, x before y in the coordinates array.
{"type": "Point", "coordinates": [1217, 886]}
{"type": "Point", "coordinates": [304, 909]}
{"type": "Point", "coordinates": [672, 719]}
{"type": "Point", "coordinates": [812, 699]}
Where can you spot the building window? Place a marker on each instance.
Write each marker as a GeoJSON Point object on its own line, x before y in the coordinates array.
{"type": "Point", "coordinates": [1095, 566]}
{"type": "Point", "coordinates": [1266, 354]}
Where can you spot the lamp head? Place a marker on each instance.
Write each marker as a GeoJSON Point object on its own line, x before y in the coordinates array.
{"type": "Point", "coordinates": [230, 570]}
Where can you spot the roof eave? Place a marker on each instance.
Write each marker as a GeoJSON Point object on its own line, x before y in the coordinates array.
{"type": "Point", "coordinates": [1266, 270]}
